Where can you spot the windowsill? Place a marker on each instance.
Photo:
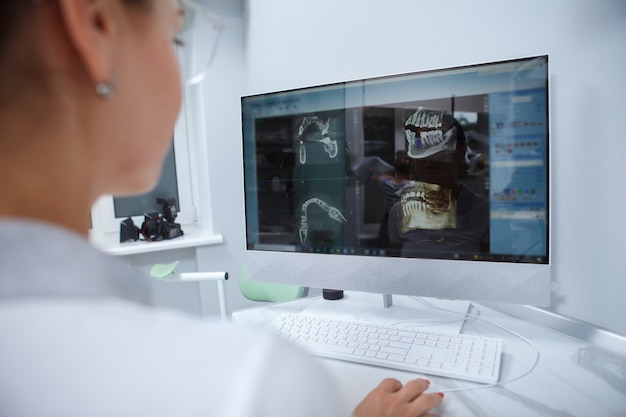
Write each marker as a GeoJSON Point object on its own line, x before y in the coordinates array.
{"type": "Point", "coordinates": [193, 237]}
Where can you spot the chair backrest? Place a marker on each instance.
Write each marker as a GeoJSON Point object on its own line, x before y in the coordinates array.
{"type": "Point", "coordinates": [163, 271]}
{"type": "Point", "coordinates": [265, 291]}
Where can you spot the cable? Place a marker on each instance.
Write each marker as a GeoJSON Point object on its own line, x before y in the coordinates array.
{"type": "Point", "coordinates": [476, 316]}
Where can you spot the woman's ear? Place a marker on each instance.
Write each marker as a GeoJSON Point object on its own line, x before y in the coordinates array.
{"type": "Point", "coordinates": [90, 27]}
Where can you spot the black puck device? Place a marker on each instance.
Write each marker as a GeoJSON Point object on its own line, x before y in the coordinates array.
{"type": "Point", "coordinates": [332, 294]}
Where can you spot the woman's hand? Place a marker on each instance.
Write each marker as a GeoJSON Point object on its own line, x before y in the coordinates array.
{"type": "Point", "coordinates": [391, 399]}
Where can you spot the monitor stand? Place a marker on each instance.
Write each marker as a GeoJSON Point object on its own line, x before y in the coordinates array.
{"type": "Point", "coordinates": [446, 316]}
{"type": "Point", "coordinates": [387, 300]}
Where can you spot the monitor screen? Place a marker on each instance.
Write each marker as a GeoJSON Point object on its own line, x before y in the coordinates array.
{"type": "Point", "coordinates": [431, 183]}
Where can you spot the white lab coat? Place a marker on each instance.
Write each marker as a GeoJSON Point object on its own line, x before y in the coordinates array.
{"type": "Point", "coordinates": [77, 338]}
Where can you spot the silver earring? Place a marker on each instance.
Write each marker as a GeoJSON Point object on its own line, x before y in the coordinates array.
{"type": "Point", "coordinates": [105, 90]}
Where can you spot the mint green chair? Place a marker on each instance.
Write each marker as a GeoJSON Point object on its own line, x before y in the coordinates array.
{"type": "Point", "coordinates": [265, 291]}
{"type": "Point", "coordinates": [167, 272]}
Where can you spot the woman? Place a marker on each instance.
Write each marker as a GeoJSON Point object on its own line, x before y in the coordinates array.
{"type": "Point", "coordinates": [89, 93]}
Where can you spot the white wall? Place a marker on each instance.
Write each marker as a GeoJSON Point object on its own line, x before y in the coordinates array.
{"type": "Point", "coordinates": [282, 44]}
{"type": "Point", "coordinates": [299, 43]}
{"type": "Point", "coordinates": [223, 89]}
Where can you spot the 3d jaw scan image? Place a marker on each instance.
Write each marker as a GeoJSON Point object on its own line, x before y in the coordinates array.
{"type": "Point", "coordinates": [427, 206]}
{"type": "Point", "coordinates": [320, 134]}
{"type": "Point", "coordinates": [333, 214]}
{"type": "Point", "coordinates": [317, 137]}
{"type": "Point", "coordinates": [427, 135]}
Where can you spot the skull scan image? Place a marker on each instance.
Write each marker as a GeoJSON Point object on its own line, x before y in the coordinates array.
{"type": "Point", "coordinates": [427, 206]}
{"type": "Point", "coordinates": [430, 132]}
{"type": "Point", "coordinates": [436, 143]}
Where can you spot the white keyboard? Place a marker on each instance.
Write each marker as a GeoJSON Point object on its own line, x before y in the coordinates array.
{"type": "Point", "coordinates": [467, 357]}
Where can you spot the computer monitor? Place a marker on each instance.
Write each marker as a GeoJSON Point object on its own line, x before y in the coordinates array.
{"type": "Point", "coordinates": [434, 183]}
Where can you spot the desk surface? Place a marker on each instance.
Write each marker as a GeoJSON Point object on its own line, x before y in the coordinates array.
{"type": "Point", "coordinates": [571, 378]}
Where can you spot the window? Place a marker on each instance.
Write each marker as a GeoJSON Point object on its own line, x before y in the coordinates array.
{"type": "Point", "coordinates": [175, 182]}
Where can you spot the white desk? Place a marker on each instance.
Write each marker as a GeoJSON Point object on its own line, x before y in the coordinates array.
{"type": "Point", "coordinates": [571, 378]}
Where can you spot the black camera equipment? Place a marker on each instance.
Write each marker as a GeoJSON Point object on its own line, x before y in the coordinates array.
{"type": "Point", "coordinates": [128, 231]}
{"type": "Point", "coordinates": [156, 226]}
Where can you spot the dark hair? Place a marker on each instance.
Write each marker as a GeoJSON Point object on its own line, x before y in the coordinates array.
{"type": "Point", "coordinates": [14, 12]}
{"type": "Point", "coordinates": [11, 15]}
{"type": "Point", "coordinates": [142, 4]}
{"type": "Point", "coordinates": [449, 120]}
{"type": "Point", "coordinates": [402, 165]}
